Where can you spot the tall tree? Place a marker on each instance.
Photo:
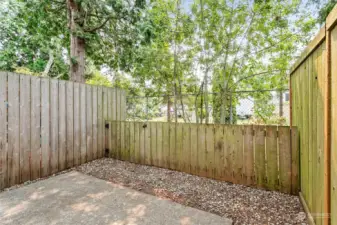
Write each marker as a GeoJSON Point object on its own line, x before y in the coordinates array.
{"type": "Point", "coordinates": [249, 44]}
{"type": "Point", "coordinates": [103, 31]}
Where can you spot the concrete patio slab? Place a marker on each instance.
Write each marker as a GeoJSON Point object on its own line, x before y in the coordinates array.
{"type": "Point", "coordinates": [75, 198]}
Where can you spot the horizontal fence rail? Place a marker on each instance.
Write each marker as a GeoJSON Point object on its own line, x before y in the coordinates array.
{"type": "Point", "coordinates": [259, 156]}
{"type": "Point", "coordinates": [49, 125]}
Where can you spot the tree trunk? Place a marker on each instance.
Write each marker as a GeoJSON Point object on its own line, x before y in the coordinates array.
{"type": "Point", "coordinates": [77, 44]}
{"type": "Point", "coordinates": [169, 103]}
{"type": "Point", "coordinates": [281, 104]}
{"type": "Point", "coordinates": [49, 64]}
{"type": "Point", "coordinates": [206, 96]}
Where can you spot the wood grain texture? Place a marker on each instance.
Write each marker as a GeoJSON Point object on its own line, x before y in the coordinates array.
{"type": "Point", "coordinates": [62, 152]}
{"type": "Point", "coordinates": [222, 152]}
{"type": "Point", "coordinates": [89, 123]}
{"type": "Point", "coordinates": [249, 175]}
{"type": "Point", "coordinates": [272, 157]}
{"type": "Point", "coordinates": [54, 126]}
{"type": "Point", "coordinates": [77, 125]}
{"type": "Point", "coordinates": [25, 150]}
{"type": "Point", "coordinates": [3, 131]}
{"type": "Point", "coordinates": [35, 121]}
{"type": "Point", "coordinates": [70, 124]}
{"type": "Point", "coordinates": [49, 125]}
{"type": "Point", "coordinates": [45, 127]}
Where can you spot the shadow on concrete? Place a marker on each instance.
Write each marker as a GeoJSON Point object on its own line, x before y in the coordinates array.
{"type": "Point", "coordinates": [75, 198]}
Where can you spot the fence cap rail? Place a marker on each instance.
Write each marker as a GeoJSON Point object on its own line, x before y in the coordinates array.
{"type": "Point", "coordinates": [319, 38]}
{"type": "Point", "coordinates": [330, 22]}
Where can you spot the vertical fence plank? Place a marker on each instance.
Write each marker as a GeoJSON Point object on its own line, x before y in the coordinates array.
{"type": "Point", "coordinates": [118, 105]}
{"type": "Point", "coordinates": [35, 121]}
{"type": "Point", "coordinates": [147, 144]}
{"type": "Point", "coordinates": [70, 124]}
{"type": "Point", "coordinates": [137, 142]}
{"type": "Point", "coordinates": [238, 153]}
{"type": "Point", "coordinates": [110, 105]}
{"type": "Point", "coordinates": [218, 152]}
{"type": "Point", "coordinates": [272, 157]}
{"type": "Point", "coordinates": [62, 126]}
{"type": "Point", "coordinates": [179, 147]}
{"type": "Point", "coordinates": [114, 104]}
{"type": "Point", "coordinates": [160, 151]}
{"type": "Point", "coordinates": [249, 155]}
{"type": "Point", "coordinates": [186, 148]}
{"type": "Point", "coordinates": [260, 155]}
{"type": "Point", "coordinates": [333, 126]}
{"type": "Point", "coordinates": [313, 132]}
{"type": "Point", "coordinates": [94, 123]}
{"type": "Point", "coordinates": [202, 164]}
{"type": "Point", "coordinates": [142, 143]}
{"type": "Point", "coordinates": [153, 134]}
{"type": "Point", "coordinates": [295, 161]}
{"type": "Point", "coordinates": [3, 131]}
{"type": "Point", "coordinates": [113, 136]}
{"type": "Point", "coordinates": [13, 129]}
{"type": "Point", "coordinates": [166, 145]}
{"type": "Point", "coordinates": [113, 141]}
{"type": "Point", "coordinates": [194, 148]}
{"type": "Point", "coordinates": [118, 125]}
{"type": "Point", "coordinates": [105, 104]}
{"type": "Point", "coordinates": [100, 123]}
{"type": "Point", "coordinates": [132, 142]}
{"type": "Point", "coordinates": [89, 122]}
{"type": "Point", "coordinates": [118, 134]}
{"type": "Point", "coordinates": [83, 121]}
{"type": "Point", "coordinates": [123, 105]}
{"type": "Point", "coordinates": [210, 150]}
{"type": "Point", "coordinates": [320, 138]}
{"type": "Point", "coordinates": [122, 140]}
{"type": "Point", "coordinates": [54, 125]}
{"type": "Point", "coordinates": [77, 125]}
{"type": "Point", "coordinates": [228, 150]}
{"type": "Point", "coordinates": [24, 128]}
{"type": "Point", "coordinates": [285, 159]}
{"type": "Point", "coordinates": [173, 153]}
{"type": "Point", "coordinates": [45, 126]}
{"type": "Point", "coordinates": [310, 123]}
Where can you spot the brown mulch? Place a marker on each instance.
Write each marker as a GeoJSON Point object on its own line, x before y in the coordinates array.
{"type": "Point", "coordinates": [244, 205]}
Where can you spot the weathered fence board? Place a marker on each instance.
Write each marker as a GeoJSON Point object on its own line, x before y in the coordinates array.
{"type": "Point", "coordinates": [3, 130]}
{"type": "Point", "coordinates": [77, 125]}
{"type": "Point", "coordinates": [62, 126]}
{"type": "Point", "coordinates": [223, 152]}
{"type": "Point", "coordinates": [248, 143]}
{"type": "Point", "coordinates": [35, 128]}
{"type": "Point", "coordinates": [24, 128]}
{"type": "Point", "coordinates": [70, 124]}
{"type": "Point", "coordinates": [49, 125]}
{"type": "Point", "coordinates": [13, 129]}
{"type": "Point", "coordinates": [89, 122]}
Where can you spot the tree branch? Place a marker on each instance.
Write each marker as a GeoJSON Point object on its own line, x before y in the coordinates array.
{"type": "Point", "coordinates": [253, 75]}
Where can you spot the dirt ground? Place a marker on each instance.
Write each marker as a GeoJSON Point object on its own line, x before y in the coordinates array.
{"type": "Point", "coordinates": [244, 205]}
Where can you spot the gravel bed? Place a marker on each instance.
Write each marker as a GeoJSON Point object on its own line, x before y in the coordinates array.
{"type": "Point", "coordinates": [244, 205]}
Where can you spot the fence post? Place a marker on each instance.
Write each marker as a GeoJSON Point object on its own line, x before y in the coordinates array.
{"type": "Point", "coordinates": [107, 139]}
{"type": "Point", "coordinates": [327, 130]}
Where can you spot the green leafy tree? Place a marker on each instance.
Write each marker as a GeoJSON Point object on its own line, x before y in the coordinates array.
{"type": "Point", "coordinates": [247, 45]}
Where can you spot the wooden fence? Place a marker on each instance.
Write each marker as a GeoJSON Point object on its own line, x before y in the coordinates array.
{"type": "Point", "coordinates": [49, 125]}
{"type": "Point", "coordinates": [314, 112]}
{"type": "Point", "coordinates": [261, 156]}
